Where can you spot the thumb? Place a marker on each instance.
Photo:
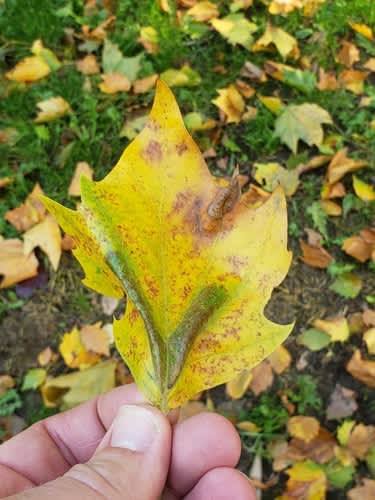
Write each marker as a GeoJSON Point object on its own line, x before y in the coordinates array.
{"type": "Point", "coordinates": [131, 462]}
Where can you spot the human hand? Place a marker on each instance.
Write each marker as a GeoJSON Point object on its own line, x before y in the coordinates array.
{"type": "Point", "coordinates": [118, 447]}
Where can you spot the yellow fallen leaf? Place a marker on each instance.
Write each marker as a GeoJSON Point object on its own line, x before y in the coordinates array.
{"type": "Point", "coordinates": [51, 109]}
{"type": "Point", "coordinates": [305, 428]}
{"type": "Point", "coordinates": [95, 339]}
{"type": "Point", "coordinates": [149, 38]}
{"type": "Point", "coordinates": [306, 481]}
{"type": "Point", "coordinates": [370, 65]}
{"type": "Point", "coordinates": [15, 266]}
{"type": "Point", "coordinates": [348, 54]}
{"type": "Point", "coordinates": [262, 377]}
{"type": "Point", "coordinates": [331, 208]}
{"type": "Point", "coordinates": [203, 11]}
{"type": "Point", "coordinates": [29, 69]}
{"type": "Point", "coordinates": [280, 359]}
{"type": "Point", "coordinates": [6, 382]}
{"type": "Point", "coordinates": [337, 328]}
{"type": "Point", "coordinates": [369, 338]}
{"type": "Point", "coordinates": [353, 80]}
{"type": "Point", "coordinates": [46, 357]}
{"type": "Point", "coordinates": [336, 190]}
{"type": "Point", "coordinates": [284, 6]}
{"type": "Point", "coordinates": [144, 84]}
{"type": "Point", "coordinates": [246, 90]}
{"type": "Point", "coordinates": [286, 44]}
{"type": "Point", "coordinates": [183, 248]}
{"type": "Point", "coordinates": [341, 164]}
{"type": "Point", "coordinates": [5, 181]}
{"type": "Point", "coordinates": [237, 387]}
{"type": "Point", "coordinates": [88, 65]}
{"type": "Point", "coordinates": [362, 369]}
{"type": "Point", "coordinates": [164, 6]}
{"type": "Point", "coordinates": [74, 353]}
{"type": "Point", "coordinates": [236, 28]}
{"type": "Point", "coordinates": [247, 426]}
{"type": "Point", "coordinates": [114, 82]}
{"type": "Point", "coordinates": [231, 103]}
{"type": "Point", "coordinates": [274, 104]}
{"type": "Point", "coordinates": [28, 213]}
{"type": "Point", "coordinates": [363, 190]}
{"type": "Point", "coordinates": [75, 388]}
{"type": "Point", "coordinates": [270, 175]}
{"type": "Point", "coordinates": [184, 77]}
{"type": "Point", "coordinates": [82, 169]}
{"type": "Point", "coordinates": [362, 29]}
{"type": "Point", "coordinates": [327, 81]}
{"type": "Point", "coordinates": [47, 236]}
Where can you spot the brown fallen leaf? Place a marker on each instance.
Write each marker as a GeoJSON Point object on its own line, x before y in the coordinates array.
{"type": "Point", "coordinates": [5, 181]}
{"type": "Point", "coordinates": [368, 317]}
{"type": "Point", "coordinates": [82, 169]}
{"type": "Point", "coordinates": [145, 84]}
{"type": "Point", "coordinates": [15, 266]}
{"type": "Point", "coordinates": [114, 82]}
{"type": "Point", "coordinates": [304, 428]}
{"type": "Point", "coordinates": [315, 255]}
{"type": "Point", "coordinates": [52, 109]}
{"type": "Point", "coordinates": [99, 33]}
{"type": "Point", "coordinates": [246, 90]}
{"type": "Point", "coordinates": [280, 359]}
{"type": "Point", "coordinates": [337, 328]}
{"type": "Point", "coordinates": [262, 377]}
{"type": "Point", "coordinates": [348, 54]}
{"type": "Point", "coordinates": [88, 65]}
{"type": "Point", "coordinates": [95, 339]}
{"type": "Point", "coordinates": [313, 163]}
{"type": "Point", "coordinates": [30, 69]}
{"type": "Point", "coordinates": [306, 481]}
{"type": "Point", "coordinates": [231, 102]}
{"type": "Point", "coordinates": [341, 164]}
{"type": "Point", "coordinates": [370, 65]}
{"type": "Point", "coordinates": [313, 237]}
{"type": "Point", "coordinates": [327, 80]}
{"type": "Point", "coordinates": [361, 440]}
{"type": "Point", "coordinates": [336, 190]}
{"type": "Point", "coordinates": [253, 72]}
{"type": "Point", "coordinates": [364, 492]}
{"type": "Point", "coordinates": [203, 11]}
{"type": "Point", "coordinates": [358, 248]}
{"type": "Point", "coordinates": [149, 38]}
{"type": "Point", "coordinates": [6, 382]}
{"type": "Point", "coordinates": [320, 449]}
{"type": "Point", "coordinates": [255, 196]}
{"type": "Point", "coordinates": [331, 208]}
{"type": "Point", "coordinates": [342, 403]}
{"type": "Point", "coordinates": [46, 357]}
{"type": "Point", "coordinates": [362, 369]}
{"type": "Point", "coordinates": [47, 236]}
{"type": "Point", "coordinates": [237, 387]}
{"type": "Point", "coordinates": [28, 213]}
{"type": "Point", "coordinates": [353, 80]}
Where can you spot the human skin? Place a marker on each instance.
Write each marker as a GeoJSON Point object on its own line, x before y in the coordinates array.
{"type": "Point", "coordinates": [117, 446]}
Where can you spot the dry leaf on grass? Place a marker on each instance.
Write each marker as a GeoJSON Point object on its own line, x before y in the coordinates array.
{"type": "Point", "coordinates": [88, 65]}
{"type": "Point", "coordinates": [363, 190]}
{"type": "Point", "coordinates": [342, 403]}
{"type": "Point", "coordinates": [28, 213]}
{"type": "Point", "coordinates": [348, 54]}
{"type": "Point", "coordinates": [315, 255]}
{"type": "Point", "coordinates": [270, 175]}
{"type": "Point", "coordinates": [52, 109]}
{"type": "Point", "coordinates": [331, 208]}
{"type": "Point", "coordinates": [114, 82]}
{"type": "Point", "coordinates": [46, 357]}
{"type": "Point", "coordinates": [231, 102]}
{"type": "Point", "coordinates": [306, 481]}
{"type": "Point", "coordinates": [285, 43]}
{"type": "Point", "coordinates": [237, 387]}
{"type": "Point", "coordinates": [370, 65]}
{"type": "Point", "coordinates": [363, 29]}
{"type": "Point", "coordinates": [203, 11]}
{"type": "Point", "coordinates": [15, 266]}
{"type": "Point", "coordinates": [95, 339]}
{"type": "Point", "coordinates": [6, 382]}
{"type": "Point", "coordinates": [361, 440]}
{"type": "Point", "coordinates": [144, 84]}
{"type": "Point", "coordinates": [368, 317]}
{"type": "Point", "coordinates": [47, 236]}
{"type": "Point", "coordinates": [29, 69]}
{"type": "Point", "coordinates": [305, 428]}
{"type": "Point", "coordinates": [341, 164]}
{"type": "Point", "coordinates": [74, 352]}
{"type": "Point", "coordinates": [246, 90]}
{"type": "Point", "coordinates": [280, 359]}
{"type": "Point", "coordinates": [327, 80]}
{"type": "Point", "coordinates": [361, 369]}
{"type": "Point", "coordinates": [359, 248]}
{"type": "Point", "coordinates": [253, 72]}
{"type": "Point", "coordinates": [5, 181]}
{"type": "Point", "coordinates": [353, 80]}
{"type": "Point", "coordinates": [262, 377]}
{"type": "Point", "coordinates": [336, 190]}
{"type": "Point", "coordinates": [82, 169]}
{"type": "Point", "coordinates": [236, 28]}
{"type": "Point", "coordinates": [364, 492]}
{"type": "Point", "coordinates": [337, 328]}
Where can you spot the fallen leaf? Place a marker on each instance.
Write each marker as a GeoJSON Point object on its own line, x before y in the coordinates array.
{"type": "Point", "coordinates": [368, 317]}
{"type": "Point", "coordinates": [369, 338]}
{"type": "Point", "coordinates": [193, 276]}
{"type": "Point", "coordinates": [184, 77]}
{"type": "Point", "coordinates": [314, 339]}
{"type": "Point", "coordinates": [231, 103]}
{"type": "Point", "coordinates": [305, 81]}
{"type": "Point", "coordinates": [262, 377]}
{"type": "Point", "coordinates": [164, 6]}
{"type": "Point", "coordinates": [306, 481]}
{"type": "Point", "coordinates": [203, 11]}
{"type": "Point", "coordinates": [149, 38]}
{"type": "Point", "coordinates": [353, 80]}
{"type": "Point", "coordinates": [331, 208]}
{"type": "Point", "coordinates": [113, 61]}
{"type": "Point", "coordinates": [52, 109]}
{"type": "Point", "coordinates": [6, 382]}
{"type": "Point", "coordinates": [75, 388]}
{"type": "Point", "coordinates": [237, 387]}
{"type": "Point", "coordinates": [285, 43]}
{"type": "Point", "coordinates": [342, 403]}
{"type": "Point", "coordinates": [236, 29]}
{"type": "Point", "coordinates": [364, 492]}
{"type": "Point", "coordinates": [196, 121]}
{"type": "Point", "coordinates": [15, 266]}
{"type": "Point", "coordinates": [246, 90]}
{"type": "Point", "coordinates": [362, 29]}
{"type": "Point", "coordinates": [280, 359]}
{"type": "Point", "coordinates": [255, 196]}
{"type": "Point", "coordinates": [315, 255]}
{"type": "Point", "coordinates": [253, 72]}
{"type": "Point", "coordinates": [327, 81]}
{"type": "Point", "coordinates": [94, 339]}
{"type": "Point", "coordinates": [336, 190]}
{"type": "Point", "coordinates": [302, 121]}
{"type": "Point", "coordinates": [28, 213]}
{"type": "Point", "coordinates": [344, 431]}
{"type": "Point", "coordinates": [363, 190]}
{"type": "Point", "coordinates": [82, 169]}
{"type": "Point", "coordinates": [361, 369]}
{"type": "Point", "coordinates": [270, 175]}
{"type": "Point", "coordinates": [274, 104]}
{"type": "Point", "coordinates": [348, 55]}
{"type": "Point", "coordinates": [320, 449]}
{"type": "Point", "coordinates": [144, 84]}
{"type": "Point", "coordinates": [47, 236]}
{"type": "Point", "coordinates": [347, 285]}
{"type": "Point", "coordinates": [5, 181]}
{"type": "Point", "coordinates": [337, 328]}
{"type": "Point", "coordinates": [33, 379]}
{"type": "Point", "coordinates": [74, 353]}
{"type": "Point", "coordinates": [88, 65]}
{"type": "Point", "coordinates": [361, 440]}
{"type": "Point", "coordinates": [284, 6]}
{"type": "Point", "coordinates": [113, 83]}
{"type": "Point", "coordinates": [30, 69]}
{"type": "Point", "coordinates": [340, 165]}
{"type": "Point", "coordinates": [46, 357]}
{"type": "Point", "coordinates": [370, 65]}
{"type": "Point", "coordinates": [247, 426]}
{"type": "Point", "coordinates": [357, 247]}
{"type": "Point", "coordinates": [305, 428]}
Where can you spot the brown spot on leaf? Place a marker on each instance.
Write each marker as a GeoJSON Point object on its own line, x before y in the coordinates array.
{"type": "Point", "coordinates": [181, 148]}
{"type": "Point", "coordinates": [152, 152]}
{"type": "Point", "coordinates": [152, 287]}
{"type": "Point", "coordinates": [133, 316]}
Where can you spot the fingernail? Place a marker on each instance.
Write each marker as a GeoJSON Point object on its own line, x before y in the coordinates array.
{"type": "Point", "coordinates": [134, 428]}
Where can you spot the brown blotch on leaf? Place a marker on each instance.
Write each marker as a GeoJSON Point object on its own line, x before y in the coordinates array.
{"type": "Point", "coordinates": [153, 152]}
{"type": "Point", "coordinates": [181, 148]}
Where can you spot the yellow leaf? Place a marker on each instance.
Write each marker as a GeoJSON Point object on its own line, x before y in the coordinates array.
{"type": "Point", "coordinates": [184, 77]}
{"type": "Point", "coordinates": [285, 43]}
{"type": "Point", "coordinates": [341, 164]}
{"type": "Point", "coordinates": [149, 38]}
{"type": "Point", "coordinates": [284, 6]}
{"type": "Point", "coordinates": [82, 169]}
{"type": "Point", "coordinates": [270, 175]}
{"type": "Point", "coordinates": [29, 213]}
{"type": "Point", "coordinates": [231, 103]}
{"type": "Point", "coordinates": [331, 208]}
{"type": "Point", "coordinates": [183, 249]}
{"type": "Point", "coordinates": [280, 359]}
{"type": "Point", "coordinates": [363, 370]}
{"type": "Point", "coordinates": [369, 338]}
{"type": "Point", "coordinates": [237, 387]}
{"type": "Point", "coordinates": [353, 80]}
{"type": "Point", "coordinates": [344, 431]}
{"type": "Point", "coordinates": [51, 109]}
{"type": "Point", "coordinates": [337, 328]}
{"type": "Point", "coordinates": [29, 69]}
{"type": "Point", "coordinates": [88, 65]}
{"type": "Point", "coordinates": [95, 339]}
{"type": "Point", "coordinates": [349, 54]}
{"type": "Point", "coordinates": [236, 29]}
{"type": "Point", "coordinates": [363, 29]}
{"type": "Point", "coordinates": [114, 82]}
{"type": "Point", "coordinates": [74, 352]}
{"type": "Point", "coordinates": [370, 65]}
{"type": "Point", "coordinates": [305, 428]}
{"type": "Point", "coordinates": [144, 84]}
{"type": "Point", "coordinates": [45, 235]}
{"type": "Point", "coordinates": [46, 356]}
{"type": "Point", "coordinates": [274, 104]}
{"type": "Point", "coordinates": [75, 388]}
{"type": "Point", "coordinates": [363, 190]}
{"type": "Point", "coordinates": [203, 11]}
{"type": "Point", "coordinates": [15, 266]}
{"type": "Point", "coordinates": [327, 81]}
{"type": "Point", "coordinates": [6, 382]}
{"type": "Point", "coordinates": [306, 481]}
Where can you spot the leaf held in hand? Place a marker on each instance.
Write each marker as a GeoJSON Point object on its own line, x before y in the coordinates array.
{"type": "Point", "coordinates": [196, 285]}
